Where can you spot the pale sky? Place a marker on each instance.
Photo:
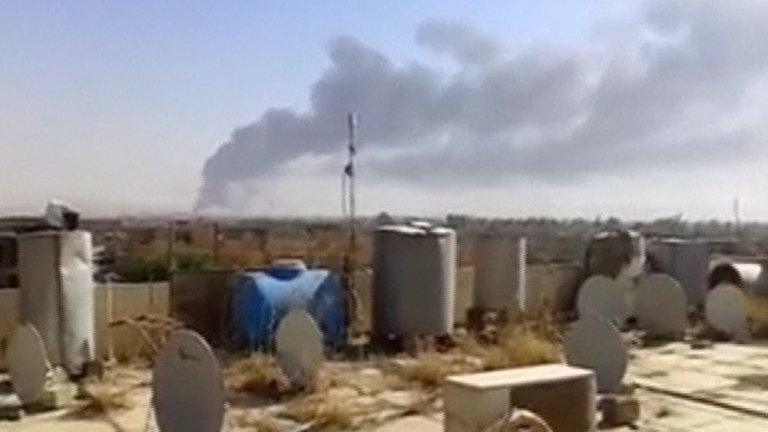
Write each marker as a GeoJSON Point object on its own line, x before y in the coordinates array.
{"type": "Point", "coordinates": [505, 108]}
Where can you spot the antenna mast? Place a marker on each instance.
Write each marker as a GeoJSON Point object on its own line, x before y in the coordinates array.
{"type": "Point", "coordinates": [349, 171]}
{"type": "Point", "coordinates": [355, 332]}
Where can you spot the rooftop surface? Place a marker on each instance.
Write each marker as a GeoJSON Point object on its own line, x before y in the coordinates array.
{"type": "Point", "coordinates": [720, 388]}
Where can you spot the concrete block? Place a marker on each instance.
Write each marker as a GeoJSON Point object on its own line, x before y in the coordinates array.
{"type": "Point", "coordinates": [469, 410]}
{"type": "Point", "coordinates": [563, 396]}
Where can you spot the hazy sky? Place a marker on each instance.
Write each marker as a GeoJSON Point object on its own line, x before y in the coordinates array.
{"type": "Point", "coordinates": [509, 108]}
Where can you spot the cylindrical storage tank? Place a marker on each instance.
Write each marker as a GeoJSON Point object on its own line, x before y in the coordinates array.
{"type": "Point", "coordinates": [500, 271]}
{"type": "Point", "coordinates": [260, 300]}
{"type": "Point", "coordinates": [57, 294]}
{"type": "Point", "coordinates": [685, 260]}
{"type": "Point", "coordinates": [414, 284]}
{"type": "Point", "coordinates": [750, 276]}
{"type": "Point", "coordinates": [8, 264]}
{"type": "Point", "coordinates": [619, 253]}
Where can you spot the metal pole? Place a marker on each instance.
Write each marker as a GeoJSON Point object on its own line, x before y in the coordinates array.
{"type": "Point", "coordinates": [110, 317]}
{"type": "Point", "coordinates": [350, 264]}
{"type": "Point", "coordinates": [352, 120]}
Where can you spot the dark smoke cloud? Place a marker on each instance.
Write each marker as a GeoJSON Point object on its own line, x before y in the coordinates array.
{"type": "Point", "coordinates": [672, 97]}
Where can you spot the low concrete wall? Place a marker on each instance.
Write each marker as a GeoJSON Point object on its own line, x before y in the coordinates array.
{"type": "Point", "coordinates": [552, 285]}
{"type": "Point", "coordinates": [465, 293]}
{"type": "Point", "coordinates": [128, 300]}
{"type": "Point", "coordinates": [200, 299]}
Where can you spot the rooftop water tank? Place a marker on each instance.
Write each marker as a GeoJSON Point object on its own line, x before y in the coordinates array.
{"type": "Point", "coordinates": [8, 261]}
{"type": "Point", "coordinates": [499, 271]}
{"type": "Point", "coordinates": [747, 273]}
{"type": "Point", "coordinates": [260, 299]}
{"type": "Point", "coordinates": [57, 294]}
{"type": "Point", "coordinates": [619, 253]}
{"type": "Point", "coordinates": [414, 283]}
{"type": "Point", "coordinates": [685, 260]}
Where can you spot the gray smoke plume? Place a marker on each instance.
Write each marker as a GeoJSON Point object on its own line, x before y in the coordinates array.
{"type": "Point", "coordinates": [674, 95]}
{"type": "Point", "coordinates": [463, 43]}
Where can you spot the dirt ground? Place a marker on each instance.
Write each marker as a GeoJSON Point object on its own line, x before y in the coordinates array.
{"type": "Point", "coordinates": [719, 388]}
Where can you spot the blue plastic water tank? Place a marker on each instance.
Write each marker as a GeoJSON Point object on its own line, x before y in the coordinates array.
{"type": "Point", "coordinates": [260, 299]}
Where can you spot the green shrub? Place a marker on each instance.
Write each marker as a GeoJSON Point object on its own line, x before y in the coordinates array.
{"type": "Point", "coordinates": [152, 266]}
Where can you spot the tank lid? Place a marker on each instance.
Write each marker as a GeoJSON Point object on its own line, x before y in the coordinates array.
{"type": "Point", "coordinates": [411, 230]}
{"type": "Point", "coordinates": [289, 263]}
{"type": "Point", "coordinates": [286, 269]}
{"type": "Point", "coordinates": [421, 224]}
{"type": "Point", "coordinates": [680, 241]}
{"type": "Point", "coordinates": [441, 231]}
{"type": "Point", "coordinates": [616, 234]}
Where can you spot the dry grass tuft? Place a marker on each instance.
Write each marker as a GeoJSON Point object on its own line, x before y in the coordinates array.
{"type": "Point", "coordinates": [423, 404]}
{"type": "Point", "coordinates": [325, 411]}
{"type": "Point", "coordinates": [258, 422]}
{"type": "Point", "coordinates": [101, 399]}
{"type": "Point", "coordinates": [525, 341]}
{"type": "Point", "coordinates": [429, 369]}
{"type": "Point", "coordinates": [757, 313]}
{"type": "Point", "coordinates": [257, 374]}
{"type": "Point", "coordinates": [520, 346]}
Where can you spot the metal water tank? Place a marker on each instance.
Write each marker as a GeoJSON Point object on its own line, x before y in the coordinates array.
{"type": "Point", "coordinates": [685, 260]}
{"type": "Point", "coordinates": [414, 283]}
{"type": "Point", "coordinates": [747, 273]}
{"type": "Point", "coordinates": [57, 294]}
{"type": "Point", "coordinates": [8, 273]}
{"type": "Point", "coordinates": [500, 271]}
{"type": "Point", "coordinates": [616, 254]}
